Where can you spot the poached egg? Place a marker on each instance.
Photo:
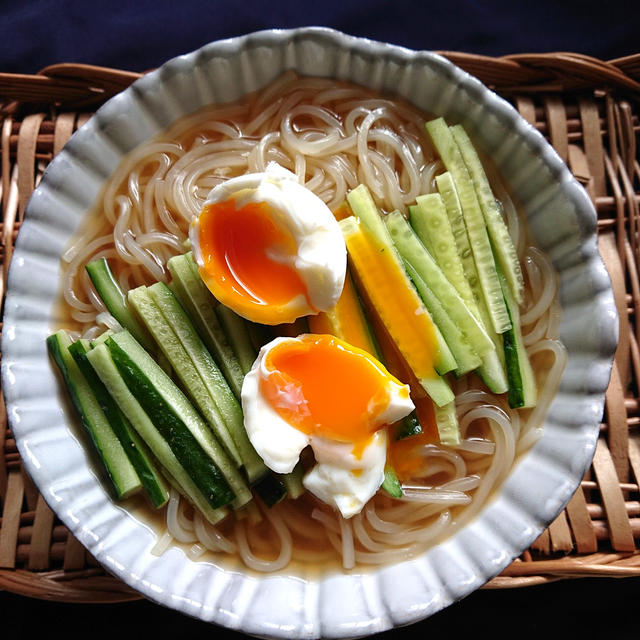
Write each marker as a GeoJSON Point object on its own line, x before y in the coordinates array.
{"type": "Point", "coordinates": [320, 391]}
{"type": "Point", "coordinates": [269, 248]}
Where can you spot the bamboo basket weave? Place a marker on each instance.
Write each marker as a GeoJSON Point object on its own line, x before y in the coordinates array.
{"type": "Point", "coordinates": [588, 109]}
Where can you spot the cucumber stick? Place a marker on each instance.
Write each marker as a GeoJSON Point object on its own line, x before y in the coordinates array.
{"type": "Point", "coordinates": [447, 423]}
{"type": "Point", "coordinates": [408, 426]}
{"type": "Point", "coordinates": [135, 449]}
{"type": "Point", "coordinates": [453, 210]}
{"type": "Point", "coordinates": [159, 396]}
{"type": "Point", "coordinates": [181, 472]}
{"type": "Point", "coordinates": [523, 390]}
{"type": "Point", "coordinates": [293, 482]}
{"type": "Point", "coordinates": [187, 373]}
{"type": "Point", "coordinates": [474, 221]}
{"type": "Point", "coordinates": [123, 476]}
{"type": "Point", "coordinates": [212, 377]}
{"type": "Point", "coordinates": [501, 241]}
{"type": "Point", "coordinates": [492, 369]}
{"type": "Point", "coordinates": [237, 332]}
{"type": "Point", "coordinates": [200, 304]}
{"type": "Point", "coordinates": [365, 209]}
{"type": "Point", "coordinates": [116, 301]}
{"type": "Point", "coordinates": [271, 489]}
{"type": "Point", "coordinates": [429, 220]}
{"type": "Point", "coordinates": [101, 338]}
{"type": "Point", "coordinates": [414, 252]}
{"type": "Point", "coordinates": [466, 358]}
{"type": "Point", "coordinates": [391, 484]}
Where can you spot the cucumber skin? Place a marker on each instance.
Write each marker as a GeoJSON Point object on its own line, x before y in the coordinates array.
{"type": "Point", "coordinates": [184, 444]}
{"type": "Point", "coordinates": [149, 477]}
{"type": "Point", "coordinates": [492, 370]}
{"type": "Point", "coordinates": [238, 336]}
{"type": "Point", "coordinates": [200, 305]}
{"type": "Point", "coordinates": [522, 392]}
{"type": "Point", "coordinates": [102, 362]}
{"type": "Point", "coordinates": [501, 241]}
{"type": "Point", "coordinates": [271, 489]}
{"type": "Point", "coordinates": [515, 393]}
{"type": "Point", "coordinates": [214, 381]}
{"type": "Point", "coordinates": [123, 486]}
{"type": "Point", "coordinates": [474, 219]}
{"type": "Point", "coordinates": [116, 301]}
{"type": "Point", "coordinates": [161, 312]}
{"type": "Point", "coordinates": [408, 426]}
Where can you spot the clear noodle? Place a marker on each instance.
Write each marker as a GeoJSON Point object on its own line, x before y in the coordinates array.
{"type": "Point", "coordinates": [332, 136]}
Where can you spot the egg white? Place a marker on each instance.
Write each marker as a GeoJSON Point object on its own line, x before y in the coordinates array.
{"type": "Point", "coordinates": [321, 256]}
{"type": "Point", "coordinates": [338, 478]}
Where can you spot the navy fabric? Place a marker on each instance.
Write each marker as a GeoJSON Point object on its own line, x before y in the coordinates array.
{"type": "Point", "coordinates": [139, 35]}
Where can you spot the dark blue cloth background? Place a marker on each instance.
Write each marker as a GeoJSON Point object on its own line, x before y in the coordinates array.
{"type": "Point", "coordinates": [139, 35]}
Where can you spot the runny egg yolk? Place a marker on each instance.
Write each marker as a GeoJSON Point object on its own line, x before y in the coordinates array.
{"type": "Point", "coordinates": [325, 387]}
{"type": "Point", "coordinates": [238, 246]}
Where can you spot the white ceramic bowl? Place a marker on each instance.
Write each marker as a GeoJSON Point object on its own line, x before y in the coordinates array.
{"type": "Point", "coordinates": [335, 604]}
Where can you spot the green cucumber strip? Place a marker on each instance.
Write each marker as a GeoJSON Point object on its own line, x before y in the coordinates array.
{"type": "Point", "coordinates": [419, 227]}
{"type": "Point", "coordinates": [187, 448]}
{"type": "Point", "coordinates": [137, 452]}
{"type": "Point", "coordinates": [237, 333]}
{"type": "Point", "coordinates": [501, 241]}
{"type": "Point", "coordinates": [438, 389]}
{"type": "Point", "coordinates": [200, 304]}
{"type": "Point", "coordinates": [123, 476]}
{"type": "Point", "coordinates": [514, 376]}
{"type": "Point", "coordinates": [187, 373]}
{"type": "Point", "coordinates": [447, 423]}
{"type": "Point", "coordinates": [466, 358]}
{"type": "Point", "coordinates": [492, 369]}
{"type": "Point", "coordinates": [365, 209]}
{"type": "Point", "coordinates": [116, 302]}
{"type": "Point", "coordinates": [271, 489]}
{"type": "Point", "coordinates": [453, 210]}
{"type": "Point", "coordinates": [101, 338]}
{"type": "Point", "coordinates": [429, 220]}
{"type": "Point", "coordinates": [293, 482]}
{"type": "Point", "coordinates": [408, 426]}
{"type": "Point", "coordinates": [391, 484]}
{"type": "Point", "coordinates": [212, 377]}
{"type": "Point", "coordinates": [163, 400]}
{"type": "Point", "coordinates": [414, 252]}
{"type": "Point", "coordinates": [523, 390]}
{"type": "Point", "coordinates": [474, 220]}
{"type": "Point", "coordinates": [103, 364]}
{"type": "Point", "coordinates": [191, 261]}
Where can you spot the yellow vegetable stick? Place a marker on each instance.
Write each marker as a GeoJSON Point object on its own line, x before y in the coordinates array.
{"type": "Point", "coordinates": [398, 305]}
{"type": "Point", "coordinates": [346, 320]}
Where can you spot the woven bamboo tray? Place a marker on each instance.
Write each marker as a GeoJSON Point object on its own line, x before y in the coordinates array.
{"type": "Point", "coordinates": [589, 110]}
